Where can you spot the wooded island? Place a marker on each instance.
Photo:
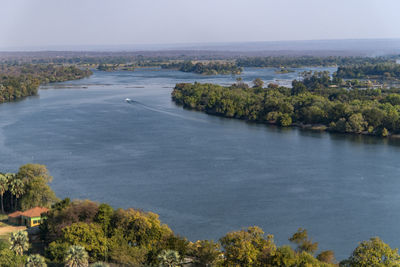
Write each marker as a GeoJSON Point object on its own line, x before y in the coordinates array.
{"type": "Point", "coordinates": [316, 101]}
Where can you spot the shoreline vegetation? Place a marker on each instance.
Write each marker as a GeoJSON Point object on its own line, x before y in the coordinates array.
{"type": "Point", "coordinates": [205, 68]}
{"type": "Point", "coordinates": [92, 233]}
{"type": "Point", "coordinates": [18, 81]}
{"type": "Point", "coordinates": [384, 71]}
{"type": "Point", "coordinates": [308, 61]}
{"type": "Point", "coordinates": [318, 101]}
{"type": "Point", "coordinates": [115, 67]}
{"type": "Point", "coordinates": [284, 71]}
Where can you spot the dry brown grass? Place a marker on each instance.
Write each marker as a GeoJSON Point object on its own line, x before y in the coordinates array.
{"type": "Point", "coordinates": [6, 229]}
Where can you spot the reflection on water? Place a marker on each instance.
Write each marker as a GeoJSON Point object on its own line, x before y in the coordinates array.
{"type": "Point", "coordinates": [204, 175]}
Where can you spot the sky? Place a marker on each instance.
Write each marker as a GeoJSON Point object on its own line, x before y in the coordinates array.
{"type": "Point", "coordinates": [45, 23]}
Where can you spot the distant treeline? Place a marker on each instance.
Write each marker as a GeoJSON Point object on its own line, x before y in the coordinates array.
{"type": "Point", "coordinates": [318, 101]}
{"type": "Point", "coordinates": [18, 81]}
{"type": "Point", "coordinates": [115, 67]}
{"type": "Point", "coordinates": [382, 70]}
{"type": "Point", "coordinates": [207, 68]}
{"type": "Point", "coordinates": [169, 58]}
{"type": "Point", "coordinates": [307, 61]}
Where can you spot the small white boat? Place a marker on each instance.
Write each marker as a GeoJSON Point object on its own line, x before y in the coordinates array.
{"type": "Point", "coordinates": [128, 100]}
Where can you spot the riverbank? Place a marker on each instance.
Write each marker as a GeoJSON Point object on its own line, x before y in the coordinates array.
{"type": "Point", "coordinates": [19, 81]}
{"type": "Point", "coordinates": [311, 103]}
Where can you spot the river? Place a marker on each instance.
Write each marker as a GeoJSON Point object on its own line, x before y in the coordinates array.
{"type": "Point", "coordinates": [204, 175]}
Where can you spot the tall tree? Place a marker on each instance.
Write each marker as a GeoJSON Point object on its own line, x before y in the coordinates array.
{"type": "Point", "coordinates": [3, 189]}
{"type": "Point", "coordinates": [17, 189]}
{"type": "Point", "coordinates": [303, 242]}
{"type": "Point", "coordinates": [246, 246]}
{"type": "Point", "coordinates": [19, 242]}
{"type": "Point", "coordinates": [373, 252]}
{"type": "Point", "coordinates": [76, 256]}
{"type": "Point", "coordinates": [29, 171]}
{"type": "Point", "coordinates": [103, 216]}
{"type": "Point", "coordinates": [207, 253]}
{"type": "Point", "coordinates": [169, 258]}
{"type": "Point", "coordinates": [88, 235]}
{"type": "Point", "coordinates": [258, 83]}
{"type": "Point", "coordinates": [37, 193]}
{"type": "Point", "coordinates": [11, 177]}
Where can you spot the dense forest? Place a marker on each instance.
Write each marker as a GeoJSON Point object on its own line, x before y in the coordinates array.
{"type": "Point", "coordinates": [17, 81]}
{"type": "Point", "coordinates": [15, 87]}
{"type": "Point", "coordinates": [84, 232]}
{"type": "Point", "coordinates": [381, 71]}
{"type": "Point", "coordinates": [307, 61]}
{"type": "Point", "coordinates": [206, 68]}
{"type": "Point", "coordinates": [317, 101]}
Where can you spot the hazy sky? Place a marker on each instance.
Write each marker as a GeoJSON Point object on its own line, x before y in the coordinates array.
{"type": "Point", "coordinates": [117, 22]}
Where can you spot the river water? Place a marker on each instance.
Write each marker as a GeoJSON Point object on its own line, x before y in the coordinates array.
{"type": "Point", "coordinates": [204, 175]}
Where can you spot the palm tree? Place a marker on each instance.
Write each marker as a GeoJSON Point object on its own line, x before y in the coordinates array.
{"type": "Point", "coordinates": [19, 242]}
{"type": "Point", "coordinates": [3, 189]}
{"type": "Point", "coordinates": [35, 260]}
{"type": "Point", "coordinates": [17, 188]}
{"type": "Point", "coordinates": [169, 258]}
{"type": "Point", "coordinates": [76, 256]}
{"type": "Point", "coordinates": [11, 185]}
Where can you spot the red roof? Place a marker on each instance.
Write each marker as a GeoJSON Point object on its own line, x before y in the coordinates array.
{"type": "Point", "coordinates": [15, 214]}
{"type": "Point", "coordinates": [34, 212]}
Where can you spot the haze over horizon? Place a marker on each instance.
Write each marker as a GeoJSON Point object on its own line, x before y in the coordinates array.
{"type": "Point", "coordinates": [44, 24]}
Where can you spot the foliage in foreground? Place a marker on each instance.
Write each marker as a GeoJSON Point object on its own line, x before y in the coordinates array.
{"type": "Point", "coordinates": [76, 256]}
{"type": "Point", "coordinates": [82, 232]}
{"type": "Point", "coordinates": [35, 260]}
{"type": "Point", "coordinates": [19, 242]}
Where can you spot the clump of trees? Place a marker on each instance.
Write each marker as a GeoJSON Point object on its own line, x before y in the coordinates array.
{"type": "Point", "coordinates": [9, 257]}
{"type": "Point", "coordinates": [85, 233]}
{"type": "Point", "coordinates": [45, 73]}
{"type": "Point", "coordinates": [387, 70]}
{"type": "Point", "coordinates": [206, 68]}
{"type": "Point", "coordinates": [373, 252]}
{"type": "Point", "coordinates": [317, 99]}
{"type": "Point", "coordinates": [126, 237]}
{"type": "Point", "coordinates": [133, 237]}
{"type": "Point", "coordinates": [15, 87]}
{"type": "Point", "coordinates": [26, 189]}
{"type": "Point", "coordinates": [115, 67]}
{"type": "Point", "coordinates": [17, 81]}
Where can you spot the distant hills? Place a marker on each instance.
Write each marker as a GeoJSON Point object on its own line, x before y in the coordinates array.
{"type": "Point", "coordinates": [348, 47]}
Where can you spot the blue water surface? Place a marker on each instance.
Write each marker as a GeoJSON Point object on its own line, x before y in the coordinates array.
{"type": "Point", "coordinates": [204, 175]}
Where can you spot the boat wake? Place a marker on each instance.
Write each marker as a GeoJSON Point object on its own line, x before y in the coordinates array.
{"type": "Point", "coordinates": [159, 110]}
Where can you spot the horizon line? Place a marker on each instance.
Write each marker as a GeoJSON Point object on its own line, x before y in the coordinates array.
{"type": "Point", "coordinates": [167, 46]}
